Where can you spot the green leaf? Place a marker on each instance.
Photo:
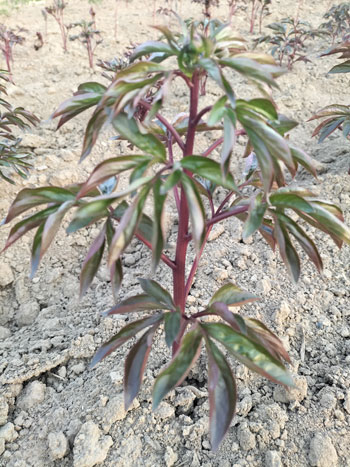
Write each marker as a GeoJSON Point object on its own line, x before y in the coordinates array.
{"type": "Point", "coordinates": [179, 367]}
{"type": "Point", "coordinates": [89, 212]}
{"type": "Point", "coordinates": [303, 159]}
{"type": "Point", "coordinates": [341, 68]}
{"type": "Point", "coordinates": [251, 69]}
{"type": "Point", "coordinates": [88, 95]}
{"type": "Point", "coordinates": [135, 364]}
{"type": "Point", "coordinates": [127, 226]}
{"type": "Point", "coordinates": [208, 169]}
{"type": "Point", "coordinates": [290, 200]}
{"type": "Point", "coordinates": [303, 239]}
{"type": "Point", "coordinates": [92, 261]}
{"type": "Point", "coordinates": [263, 107]}
{"type": "Point", "coordinates": [126, 333]}
{"type": "Point", "coordinates": [222, 394]}
{"type": "Point", "coordinates": [141, 302]}
{"type": "Point", "coordinates": [232, 295]}
{"type": "Point", "coordinates": [116, 271]}
{"type": "Point", "coordinates": [92, 130]}
{"type": "Point", "coordinates": [288, 253]}
{"type": "Point", "coordinates": [153, 289]}
{"type": "Point", "coordinates": [145, 226]}
{"type": "Point", "coordinates": [283, 125]}
{"type": "Point", "coordinates": [151, 47]}
{"type": "Point", "coordinates": [196, 210]}
{"type": "Point", "coordinates": [108, 169]}
{"type": "Point", "coordinates": [171, 180]}
{"type": "Point", "coordinates": [27, 224]}
{"type": "Point", "coordinates": [256, 215]}
{"type": "Point", "coordinates": [172, 323]}
{"type": "Point", "coordinates": [218, 111]}
{"type": "Point", "coordinates": [148, 142]}
{"type": "Point", "coordinates": [229, 142]}
{"type": "Point", "coordinates": [215, 72]}
{"type": "Point", "coordinates": [52, 225]}
{"type": "Point", "coordinates": [330, 220]}
{"type": "Point", "coordinates": [250, 353]}
{"type": "Point", "coordinates": [158, 234]}
{"type": "Point", "coordinates": [36, 247]}
{"type": "Point", "coordinates": [31, 197]}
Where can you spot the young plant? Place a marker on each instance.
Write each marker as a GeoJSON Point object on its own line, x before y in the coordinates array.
{"type": "Point", "coordinates": [336, 116]}
{"type": "Point", "coordinates": [163, 160]}
{"type": "Point", "coordinates": [338, 24]}
{"type": "Point", "coordinates": [56, 10]}
{"type": "Point", "coordinates": [12, 157]}
{"type": "Point", "coordinates": [259, 9]}
{"type": "Point", "coordinates": [88, 36]}
{"type": "Point", "coordinates": [289, 40]}
{"type": "Point", "coordinates": [207, 6]}
{"type": "Point", "coordinates": [8, 39]}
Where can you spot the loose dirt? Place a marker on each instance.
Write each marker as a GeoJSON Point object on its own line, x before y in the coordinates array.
{"type": "Point", "coordinates": [53, 410]}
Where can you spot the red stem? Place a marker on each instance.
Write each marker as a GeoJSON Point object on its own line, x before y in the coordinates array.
{"type": "Point", "coordinates": [165, 122]}
{"type": "Point", "coordinates": [179, 286]}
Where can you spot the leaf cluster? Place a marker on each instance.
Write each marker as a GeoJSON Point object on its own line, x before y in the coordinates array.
{"type": "Point", "coordinates": [9, 38]}
{"type": "Point", "coordinates": [288, 41]}
{"type": "Point", "coordinates": [338, 24]}
{"type": "Point", "coordinates": [12, 156]}
{"type": "Point", "coordinates": [335, 116]}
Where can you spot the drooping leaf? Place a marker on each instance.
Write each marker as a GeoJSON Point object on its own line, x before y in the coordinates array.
{"type": "Point", "coordinates": [179, 367]}
{"type": "Point", "coordinates": [128, 331]}
{"type": "Point", "coordinates": [196, 209]}
{"type": "Point", "coordinates": [92, 261]}
{"type": "Point", "coordinates": [152, 47]}
{"type": "Point", "coordinates": [116, 271]}
{"type": "Point", "coordinates": [303, 159]}
{"type": "Point", "coordinates": [208, 169]}
{"type": "Point", "coordinates": [88, 95]}
{"type": "Point", "coordinates": [31, 197]}
{"type": "Point", "coordinates": [135, 364]}
{"type": "Point", "coordinates": [222, 394]}
{"type": "Point", "coordinates": [328, 218]}
{"type": "Point", "coordinates": [288, 252]}
{"type": "Point", "coordinates": [303, 239]}
{"type": "Point", "coordinates": [215, 72]}
{"type": "Point", "coordinates": [89, 212]}
{"type": "Point", "coordinates": [255, 217]}
{"type": "Point", "coordinates": [232, 295]}
{"type": "Point", "coordinates": [285, 199]}
{"type": "Point", "coordinates": [250, 353]}
{"type": "Point", "coordinates": [155, 290]}
{"type": "Point", "coordinates": [141, 302]}
{"type": "Point", "coordinates": [36, 247]}
{"type": "Point", "coordinates": [158, 234]}
{"type": "Point", "coordinates": [229, 142]}
{"type": "Point", "coordinates": [27, 224]}
{"type": "Point", "coordinates": [172, 179]}
{"type": "Point", "coordinates": [52, 225]}
{"type": "Point", "coordinates": [251, 69]}
{"type": "Point", "coordinates": [127, 226]}
{"type": "Point", "coordinates": [258, 332]}
{"type": "Point", "coordinates": [148, 142]}
{"type": "Point", "coordinates": [172, 322]}
{"type": "Point", "coordinates": [108, 168]}
{"type": "Point", "coordinates": [218, 111]}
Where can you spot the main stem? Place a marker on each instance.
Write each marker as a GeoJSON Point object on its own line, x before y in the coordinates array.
{"type": "Point", "coordinates": [179, 279]}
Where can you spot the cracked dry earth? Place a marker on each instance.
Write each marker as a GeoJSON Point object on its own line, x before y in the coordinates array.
{"type": "Point", "coordinates": [53, 411]}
